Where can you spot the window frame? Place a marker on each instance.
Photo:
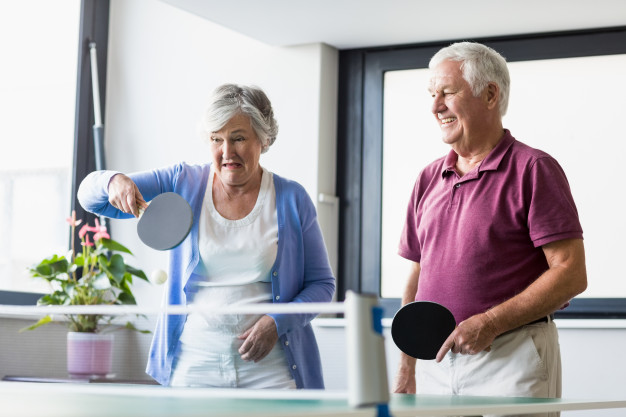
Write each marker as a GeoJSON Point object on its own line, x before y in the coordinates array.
{"type": "Point", "coordinates": [360, 147]}
{"type": "Point", "coordinates": [94, 27]}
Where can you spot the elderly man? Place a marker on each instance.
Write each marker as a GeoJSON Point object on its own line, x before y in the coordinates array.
{"type": "Point", "coordinates": [493, 234]}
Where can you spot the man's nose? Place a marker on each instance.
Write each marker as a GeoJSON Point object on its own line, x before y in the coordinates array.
{"type": "Point", "coordinates": [438, 104]}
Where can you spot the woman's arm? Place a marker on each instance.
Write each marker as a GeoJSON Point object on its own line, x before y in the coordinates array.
{"type": "Point", "coordinates": [111, 193]}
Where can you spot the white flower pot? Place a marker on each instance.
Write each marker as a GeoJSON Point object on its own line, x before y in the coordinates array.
{"type": "Point", "coordinates": [89, 355]}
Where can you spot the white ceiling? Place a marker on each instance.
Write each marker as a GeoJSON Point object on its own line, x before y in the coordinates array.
{"type": "Point", "coordinates": [348, 24]}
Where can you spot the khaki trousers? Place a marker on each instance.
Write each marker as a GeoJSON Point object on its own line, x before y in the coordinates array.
{"type": "Point", "coordinates": [525, 362]}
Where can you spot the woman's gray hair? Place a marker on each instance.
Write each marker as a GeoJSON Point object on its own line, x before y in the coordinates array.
{"type": "Point", "coordinates": [480, 65]}
{"type": "Point", "coordinates": [228, 100]}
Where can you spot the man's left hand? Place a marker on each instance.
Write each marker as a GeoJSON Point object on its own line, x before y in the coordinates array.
{"type": "Point", "coordinates": [470, 337]}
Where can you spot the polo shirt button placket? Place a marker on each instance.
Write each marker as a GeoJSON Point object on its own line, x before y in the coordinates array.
{"type": "Point", "coordinates": [453, 197]}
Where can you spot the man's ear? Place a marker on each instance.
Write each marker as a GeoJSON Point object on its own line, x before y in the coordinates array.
{"type": "Point", "coordinates": [492, 95]}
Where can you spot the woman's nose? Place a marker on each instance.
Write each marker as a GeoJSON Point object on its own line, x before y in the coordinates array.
{"type": "Point", "coordinates": [227, 148]}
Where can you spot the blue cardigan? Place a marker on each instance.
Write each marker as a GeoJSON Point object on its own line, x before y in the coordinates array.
{"type": "Point", "coordinates": [301, 272]}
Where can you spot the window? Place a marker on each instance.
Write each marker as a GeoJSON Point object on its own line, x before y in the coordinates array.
{"type": "Point", "coordinates": [47, 114]}
{"type": "Point", "coordinates": [37, 99]}
{"type": "Point", "coordinates": [554, 77]}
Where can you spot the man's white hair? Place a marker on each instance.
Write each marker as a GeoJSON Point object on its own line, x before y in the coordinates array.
{"type": "Point", "coordinates": [480, 65]}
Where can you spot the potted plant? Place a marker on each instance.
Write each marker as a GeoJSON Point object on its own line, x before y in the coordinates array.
{"type": "Point", "coordinates": [96, 275]}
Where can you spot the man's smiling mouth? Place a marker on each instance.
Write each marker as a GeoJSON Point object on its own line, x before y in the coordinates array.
{"type": "Point", "coordinates": [447, 120]}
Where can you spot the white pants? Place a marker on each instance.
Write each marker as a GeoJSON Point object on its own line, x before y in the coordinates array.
{"type": "Point", "coordinates": [525, 362]}
{"type": "Point", "coordinates": [208, 349]}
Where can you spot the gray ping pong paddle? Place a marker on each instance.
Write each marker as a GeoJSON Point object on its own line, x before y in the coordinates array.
{"type": "Point", "coordinates": [166, 222]}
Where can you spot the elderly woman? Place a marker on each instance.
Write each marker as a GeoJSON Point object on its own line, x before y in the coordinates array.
{"type": "Point", "coordinates": [255, 238]}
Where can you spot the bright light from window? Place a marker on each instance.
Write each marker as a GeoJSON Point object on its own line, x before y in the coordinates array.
{"type": "Point", "coordinates": [38, 49]}
{"type": "Point", "coordinates": [556, 106]}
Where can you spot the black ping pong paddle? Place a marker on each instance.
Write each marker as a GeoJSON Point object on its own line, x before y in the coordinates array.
{"type": "Point", "coordinates": [166, 222]}
{"type": "Point", "coordinates": [420, 328]}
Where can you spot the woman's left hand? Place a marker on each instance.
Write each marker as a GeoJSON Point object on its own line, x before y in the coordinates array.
{"type": "Point", "coordinates": [258, 339]}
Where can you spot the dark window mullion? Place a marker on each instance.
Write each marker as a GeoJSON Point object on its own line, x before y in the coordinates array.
{"type": "Point", "coordinates": [94, 27]}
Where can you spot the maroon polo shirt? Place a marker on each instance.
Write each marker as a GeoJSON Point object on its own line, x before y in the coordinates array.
{"type": "Point", "coordinates": [478, 238]}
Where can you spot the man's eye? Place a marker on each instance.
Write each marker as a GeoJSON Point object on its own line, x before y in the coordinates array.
{"type": "Point", "coordinates": [216, 140]}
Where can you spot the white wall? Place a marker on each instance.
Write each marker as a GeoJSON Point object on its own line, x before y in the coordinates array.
{"type": "Point", "coordinates": [42, 353]}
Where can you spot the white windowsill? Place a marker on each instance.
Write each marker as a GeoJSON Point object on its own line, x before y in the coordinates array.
{"type": "Point", "coordinates": [561, 323]}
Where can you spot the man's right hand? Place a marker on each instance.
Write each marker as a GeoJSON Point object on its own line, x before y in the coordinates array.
{"type": "Point", "coordinates": [405, 378]}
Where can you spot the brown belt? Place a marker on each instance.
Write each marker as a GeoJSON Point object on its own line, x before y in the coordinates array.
{"type": "Point", "coordinates": [544, 319]}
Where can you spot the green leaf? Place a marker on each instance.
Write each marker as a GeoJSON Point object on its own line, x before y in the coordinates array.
{"type": "Point", "coordinates": [114, 268]}
{"type": "Point", "coordinates": [67, 289]}
{"type": "Point", "coordinates": [114, 246]}
{"type": "Point", "coordinates": [131, 326]}
{"type": "Point", "coordinates": [50, 268]}
{"type": "Point", "coordinates": [126, 298]}
{"type": "Point", "coordinates": [117, 267]}
{"type": "Point", "coordinates": [101, 282]}
{"type": "Point", "coordinates": [41, 322]}
{"type": "Point", "coordinates": [137, 272]}
{"type": "Point", "coordinates": [56, 298]}
{"type": "Point", "coordinates": [79, 260]}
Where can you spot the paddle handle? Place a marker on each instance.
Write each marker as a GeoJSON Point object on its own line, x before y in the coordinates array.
{"type": "Point", "coordinates": [141, 210]}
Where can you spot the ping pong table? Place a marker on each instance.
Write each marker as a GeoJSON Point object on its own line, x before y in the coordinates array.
{"type": "Point", "coordinates": [30, 399]}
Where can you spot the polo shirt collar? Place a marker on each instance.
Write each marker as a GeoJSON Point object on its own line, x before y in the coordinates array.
{"type": "Point", "coordinates": [490, 163]}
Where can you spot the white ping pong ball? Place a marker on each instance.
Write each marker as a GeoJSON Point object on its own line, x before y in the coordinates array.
{"type": "Point", "coordinates": [158, 276]}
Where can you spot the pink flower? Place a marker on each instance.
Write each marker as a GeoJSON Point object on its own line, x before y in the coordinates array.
{"type": "Point", "coordinates": [86, 242]}
{"type": "Point", "coordinates": [101, 235]}
{"type": "Point", "coordinates": [98, 228]}
{"type": "Point", "coordinates": [83, 230]}
{"type": "Point", "coordinates": [72, 220]}
{"type": "Point", "coordinates": [100, 231]}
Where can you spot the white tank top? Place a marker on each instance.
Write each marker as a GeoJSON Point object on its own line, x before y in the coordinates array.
{"type": "Point", "coordinates": [238, 252]}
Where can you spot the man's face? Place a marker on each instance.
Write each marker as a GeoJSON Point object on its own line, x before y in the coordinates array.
{"type": "Point", "coordinates": [460, 115]}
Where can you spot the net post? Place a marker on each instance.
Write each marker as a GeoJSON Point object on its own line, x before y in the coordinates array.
{"type": "Point", "coordinates": [367, 366]}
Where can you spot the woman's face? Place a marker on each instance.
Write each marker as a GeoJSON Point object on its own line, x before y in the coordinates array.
{"type": "Point", "coordinates": [236, 150]}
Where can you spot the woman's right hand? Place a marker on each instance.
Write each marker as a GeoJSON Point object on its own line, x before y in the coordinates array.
{"type": "Point", "coordinates": [125, 196]}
